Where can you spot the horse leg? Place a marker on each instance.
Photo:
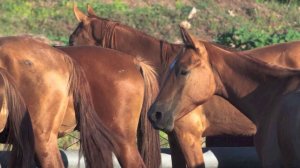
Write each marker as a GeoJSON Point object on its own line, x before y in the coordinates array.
{"type": "Point", "coordinates": [188, 130]}
{"type": "Point", "coordinates": [178, 160]}
{"type": "Point", "coordinates": [45, 127]}
{"type": "Point", "coordinates": [127, 152]}
{"type": "Point", "coordinates": [288, 131]}
{"type": "Point", "coordinates": [47, 151]}
{"type": "Point", "coordinates": [266, 143]}
{"type": "Point", "coordinates": [126, 129]}
{"type": "Point", "coordinates": [130, 156]}
{"type": "Point", "coordinates": [123, 120]}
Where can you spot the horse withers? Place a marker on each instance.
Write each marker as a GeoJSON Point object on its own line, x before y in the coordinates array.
{"type": "Point", "coordinates": [267, 94]}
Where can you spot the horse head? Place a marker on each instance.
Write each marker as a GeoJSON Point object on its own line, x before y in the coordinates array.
{"type": "Point", "coordinates": [190, 82]}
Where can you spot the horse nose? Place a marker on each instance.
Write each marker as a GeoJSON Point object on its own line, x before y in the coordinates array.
{"type": "Point", "coordinates": [158, 115]}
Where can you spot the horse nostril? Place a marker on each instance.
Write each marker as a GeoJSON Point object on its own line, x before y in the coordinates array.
{"type": "Point", "coordinates": [158, 116]}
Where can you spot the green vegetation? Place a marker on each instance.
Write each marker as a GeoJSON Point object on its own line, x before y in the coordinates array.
{"type": "Point", "coordinates": [288, 2]}
{"type": "Point", "coordinates": [55, 19]}
{"type": "Point", "coordinates": [164, 140]}
{"type": "Point", "coordinates": [69, 141]}
{"type": "Point", "coordinates": [239, 24]}
{"type": "Point", "coordinates": [245, 38]}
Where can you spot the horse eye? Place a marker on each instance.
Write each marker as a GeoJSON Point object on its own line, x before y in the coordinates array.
{"type": "Point", "coordinates": [184, 72]}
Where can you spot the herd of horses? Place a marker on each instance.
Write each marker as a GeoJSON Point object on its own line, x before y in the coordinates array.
{"type": "Point", "coordinates": [117, 85]}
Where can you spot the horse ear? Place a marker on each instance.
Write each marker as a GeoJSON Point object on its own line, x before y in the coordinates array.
{"type": "Point", "coordinates": [187, 38]}
{"type": "Point", "coordinates": [191, 40]}
{"type": "Point", "coordinates": [182, 33]}
{"type": "Point", "coordinates": [79, 15]}
{"type": "Point", "coordinates": [90, 10]}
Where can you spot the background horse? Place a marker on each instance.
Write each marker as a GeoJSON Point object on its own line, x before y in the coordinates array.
{"type": "Point", "coordinates": [148, 138]}
{"type": "Point", "coordinates": [93, 30]}
{"type": "Point", "coordinates": [118, 95]}
{"type": "Point", "coordinates": [15, 123]}
{"type": "Point", "coordinates": [96, 31]}
{"type": "Point", "coordinates": [58, 97]}
{"type": "Point", "coordinates": [265, 93]}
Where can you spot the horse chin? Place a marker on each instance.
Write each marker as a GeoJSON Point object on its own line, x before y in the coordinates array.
{"type": "Point", "coordinates": [166, 126]}
{"type": "Point", "coordinates": [169, 128]}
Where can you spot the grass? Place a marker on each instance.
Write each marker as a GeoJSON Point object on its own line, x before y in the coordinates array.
{"type": "Point", "coordinates": [164, 140]}
{"type": "Point", "coordinates": [69, 141]}
{"type": "Point", "coordinates": [55, 20]}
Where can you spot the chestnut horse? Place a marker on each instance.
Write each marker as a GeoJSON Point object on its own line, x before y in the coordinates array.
{"type": "Point", "coordinates": [267, 94]}
{"type": "Point", "coordinates": [118, 94]}
{"type": "Point", "coordinates": [15, 123]}
{"type": "Point", "coordinates": [148, 137]}
{"type": "Point", "coordinates": [58, 98]}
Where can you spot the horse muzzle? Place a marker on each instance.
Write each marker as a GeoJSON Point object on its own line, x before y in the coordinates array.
{"type": "Point", "coordinates": [161, 119]}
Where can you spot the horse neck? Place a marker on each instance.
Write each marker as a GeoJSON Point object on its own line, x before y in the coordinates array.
{"type": "Point", "coordinates": [249, 84]}
{"type": "Point", "coordinates": [159, 53]}
{"type": "Point", "coordinates": [284, 54]}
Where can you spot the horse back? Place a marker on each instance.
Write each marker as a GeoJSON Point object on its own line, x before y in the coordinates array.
{"type": "Point", "coordinates": [284, 54]}
{"type": "Point", "coordinates": [112, 75]}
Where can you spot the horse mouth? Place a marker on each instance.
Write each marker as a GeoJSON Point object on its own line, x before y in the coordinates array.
{"type": "Point", "coordinates": [166, 126]}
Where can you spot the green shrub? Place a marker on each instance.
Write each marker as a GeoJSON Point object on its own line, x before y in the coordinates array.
{"type": "Point", "coordinates": [297, 2]}
{"type": "Point", "coordinates": [245, 38]}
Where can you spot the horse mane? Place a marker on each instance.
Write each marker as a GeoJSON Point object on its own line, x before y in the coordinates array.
{"type": "Point", "coordinates": [220, 46]}
{"type": "Point", "coordinates": [127, 28]}
{"type": "Point", "coordinates": [167, 49]}
{"type": "Point", "coordinates": [263, 67]}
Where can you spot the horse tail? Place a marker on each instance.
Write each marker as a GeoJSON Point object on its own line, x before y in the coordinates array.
{"type": "Point", "coordinates": [96, 142]}
{"type": "Point", "coordinates": [19, 127]}
{"type": "Point", "coordinates": [148, 137]}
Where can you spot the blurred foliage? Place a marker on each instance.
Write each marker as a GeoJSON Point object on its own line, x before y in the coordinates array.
{"type": "Point", "coordinates": [289, 2]}
{"type": "Point", "coordinates": [69, 141]}
{"type": "Point", "coordinates": [245, 38]}
{"type": "Point", "coordinates": [164, 143]}
{"type": "Point", "coordinates": [55, 19]}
